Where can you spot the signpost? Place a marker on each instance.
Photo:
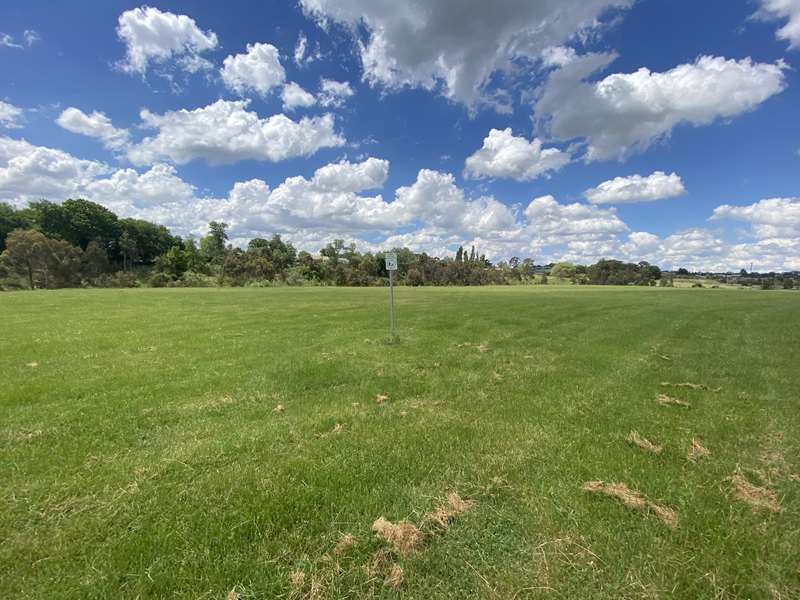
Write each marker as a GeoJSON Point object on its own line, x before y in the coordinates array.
{"type": "Point", "coordinates": [391, 266]}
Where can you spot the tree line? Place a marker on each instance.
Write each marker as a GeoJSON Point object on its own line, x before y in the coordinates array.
{"type": "Point", "coordinates": [81, 243]}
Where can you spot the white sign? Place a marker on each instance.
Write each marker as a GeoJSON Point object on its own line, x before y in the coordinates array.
{"type": "Point", "coordinates": [391, 261]}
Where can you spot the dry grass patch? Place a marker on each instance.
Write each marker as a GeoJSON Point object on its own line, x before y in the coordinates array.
{"type": "Point", "coordinates": [690, 386]}
{"type": "Point", "coordinates": [346, 542]}
{"type": "Point", "coordinates": [445, 512]}
{"type": "Point", "coordinates": [757, 497]}
{"type": "Point", "coordinates": [635, 439]}
{"type": "Point", "coordinates": [665, 400]}
{"type": "Point", "coordinates": [404, 537]}
{"type": "Point", "coordinates": [395, 577]}
{"type": "Point", "coordinates": [381, 398]}
{"type": "Point", "coordinates": [233, 595]}
{"type": "Point", "coordinates": [279, 409]}
{"type": "Point", "coordinates": [634, 500]}
{"type": "Point", "coordinates": [32, 365]}
{"type": "Point", "coordinates": [697, 451]}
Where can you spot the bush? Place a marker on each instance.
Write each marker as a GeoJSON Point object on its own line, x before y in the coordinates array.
{"type": "Point", "coordinates": [195, 279]}
{"type": "Point", "coordinates": [160, 280]}
{"type": "Point", "coordinates": [119, 279]}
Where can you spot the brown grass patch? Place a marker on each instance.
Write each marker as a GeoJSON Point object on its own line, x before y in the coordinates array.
{"type": "Point", "coordinates": [233, 595]}
{"type": "Point", "coordinates": [377, 563]}
{"type": "Point", "coordinates": [483, 348]}
{"type": "Point", "coordinates": [346, 542]}
{"type": "Point", "coordinates": [381, 398]}
{"type": "Point", "coordinates": [757, 497]}
{"type": "Point", "coordinates": [665, 400]}
{"type": "Point", "coordinates": [279, 409]}
{"type": "Point", "coordinates": [633, 499]}
{"type": "Point", "coordinates": [643, 443]}
{"type": "Point", "coordinates": [697, 451]}
{"type": "Point", "coordinates": [395, 577]}
{"type": "Point", "coordinates": [32, 365]}
{"type": "Point", "coordinates": [404, 537]}
{"type": "Point", "coordinates": [445, 512]}
{"type": "Point", "coordinates": [691, 386]}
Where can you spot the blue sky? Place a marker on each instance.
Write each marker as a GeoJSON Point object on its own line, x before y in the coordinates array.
{"type": "Point", "coordinates": [525, 127]}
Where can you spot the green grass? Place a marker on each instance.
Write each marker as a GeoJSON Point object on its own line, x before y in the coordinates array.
{"type": "Point", "coordinates": [142, 458]}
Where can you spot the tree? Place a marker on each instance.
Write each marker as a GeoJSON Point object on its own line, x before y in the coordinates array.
{"type": "Point", "coordinates": [173, 263]}
{"type": "Point", "coordinates": [212, 246]}
{"type": "Point", "coordinates": [129, 250]}
{"type": "Point", "coordinates": [10, 220]}
{"type": "Point", "coordinates": [25, 254]}
{"type": "Point", "coordinates": [41, 261]}
{"type": "Point", "coordinates": [788, 283]}
{"type": "Point", "coordinates": [460, 254]}
{"type": "Point", "coordinates": [88, 221]}
{"type": "Point", "coordinates": [94, 261]}
{"type": "Point", "coordinates": [151, 240]}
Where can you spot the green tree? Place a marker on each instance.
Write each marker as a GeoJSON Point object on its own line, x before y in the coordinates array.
{"type": "Point", "coordinates": [94, 261]}
{"type": "Point", "coordinates": [151, 240]}
{"type": "Point", "coordinates": [10, 220]}
{"type": "Point", "coordinates": [129, 250]}
{"type": "Point", "coordinates": [88, 221]}
{"type": "Point", "coordinates": [25, 254]}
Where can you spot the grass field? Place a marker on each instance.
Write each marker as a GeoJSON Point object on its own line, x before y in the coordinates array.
{"type": "Point", "coordinates": [142, 455]}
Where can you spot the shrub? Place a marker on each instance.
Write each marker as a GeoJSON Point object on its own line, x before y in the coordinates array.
{"type": "Point", "coordinates": [119, 279]}
{"type": "Point", "coordinates": [160, 280]}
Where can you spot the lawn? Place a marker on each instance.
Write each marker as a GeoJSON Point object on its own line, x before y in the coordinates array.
{"type": "Point", "coordinates": [223, 443]}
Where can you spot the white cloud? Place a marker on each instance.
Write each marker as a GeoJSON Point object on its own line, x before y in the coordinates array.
{"type": "Point", "coordinates": [10, 115]}
{"type": "Point", "coordinates": [334, 93]}
{"type": "Point", "coordinates": [626, 112]}
{"type": "Point", "coordinates": [302, 55]}
{"type": "Point", "coordinates": [769, 218]}
{"type": "Point", "coordinates": [158, 186]}
{"type": "Point", "coordinates": [780, 10]}
{"type": "Point", "coordinates": [554, 222]}
{"type": "Point", "coordinates": [259, 70]}
{"type": "Point", "coordinates": [96, 125]}
{"type": "Point", "coordinates": [456, 44]}
{"type": "Point", "coordinates": [506, 156]}
{"type": "Point", "coordinates": [432, 214]}
{"type": "Point", "coordinates": [294, 96]}
{"type": "Point", "coordinates": [29, 172]}
{"type": "Point", "coordinates": [347, 177]}
{"type": "Point", "coordinates": [226, 132]}
{"type": "Point", "coordinates": [31, 37]}
{"type": "Point", "coordinates": [155, 37]}
{"type": "Point", "coordinates": [7, 41]}
{"type": "Point", "coordinates": [635, 188]}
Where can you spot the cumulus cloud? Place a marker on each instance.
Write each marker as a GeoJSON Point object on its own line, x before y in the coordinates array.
{"type": "Point", "coordinates": [627, 112]}
{"type": "Point", "coordinates": [96, 125]}
{"type": "Point", "coordinates": [29, 172]}
{"type": "Point", "coordinates": [334, 93]}
{"type": "Point", "coordinates": [259, 70]}
{"type": "Point", "coordinates": [294, 96]}
{"type": "Point", "coordinates": [226, 132]}
{"type": "Point", "coordinates": [788, 10]}
{"type": "Point", "coordinates": [635, 188]}
{"type": "Point", "coordinates": [10, 116]}
{"type": "Point", "coordinates": [506, 156]}
{"type": "Point", "coordinates": [768, 218]}
{"type": "Point", "coordinates": [155, 37]}
{"type": "Point", "coordinates": [432, 214]}
{"type": "Point", "coordinates": [456, 44]}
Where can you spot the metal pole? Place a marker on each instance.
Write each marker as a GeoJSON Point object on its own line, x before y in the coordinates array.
{"type": "Point", "coordinates": [391, 306]}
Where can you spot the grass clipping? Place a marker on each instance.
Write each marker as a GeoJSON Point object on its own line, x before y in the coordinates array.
{"type": "Point", "coordinates": [697, 451]}
{"type": "Point", "coordinates": [633, 499]}
{"type": "Point", "coordinates": [665, 400]}
{"type": "Point", "coordinates": [757, 497]}
{"type": "Point", "coordinates": [643, 443]}
{"type": "Point", "coordinates": [404, 537]}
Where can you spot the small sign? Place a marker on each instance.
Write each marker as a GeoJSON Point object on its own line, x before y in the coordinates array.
{"type": "Point", "coordinates": [391, 261]}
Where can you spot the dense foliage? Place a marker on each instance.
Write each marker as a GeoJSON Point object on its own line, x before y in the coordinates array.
{"type": "Point", "coordinates": [81, 243]}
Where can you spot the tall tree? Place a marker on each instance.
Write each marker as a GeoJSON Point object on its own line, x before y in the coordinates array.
{"type": "Point", "coordinates": [10, 220]}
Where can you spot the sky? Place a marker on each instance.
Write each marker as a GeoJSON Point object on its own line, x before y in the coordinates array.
{"type": "Point", "coordinates": [560, 130]}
